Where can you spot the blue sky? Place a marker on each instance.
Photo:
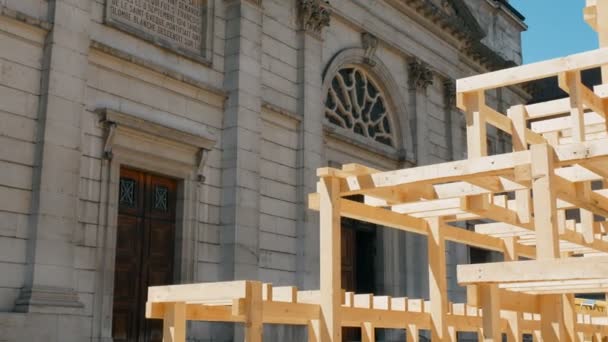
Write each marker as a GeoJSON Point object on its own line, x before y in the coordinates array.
{"type": "Point", "coordinates": [555, 28]}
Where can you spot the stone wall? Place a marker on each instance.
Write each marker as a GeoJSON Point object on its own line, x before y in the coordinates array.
{"type": "Point", "coordinates": [258, 88]}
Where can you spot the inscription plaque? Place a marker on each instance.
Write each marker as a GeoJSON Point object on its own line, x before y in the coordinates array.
{"type": "Point", "coordinates": [175, 24]}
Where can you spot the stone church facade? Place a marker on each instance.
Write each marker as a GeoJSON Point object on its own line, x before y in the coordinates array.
{"type": "Point", "coordinates": [151, 142]}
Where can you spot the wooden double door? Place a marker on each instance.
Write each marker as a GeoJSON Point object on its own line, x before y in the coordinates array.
{"type": "Point", "coordinates": [145, 244]}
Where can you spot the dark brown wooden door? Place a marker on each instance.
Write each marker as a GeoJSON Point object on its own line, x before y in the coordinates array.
{"type": "Point", "coordinates": [349, 277]}
{"type": "Point", "coordinates": [145, 243]}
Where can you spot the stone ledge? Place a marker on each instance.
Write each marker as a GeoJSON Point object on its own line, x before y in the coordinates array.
{"type": "Point", "coordinates": [377, 148]}
{"type": "Point", "coordinates": [25, 18]}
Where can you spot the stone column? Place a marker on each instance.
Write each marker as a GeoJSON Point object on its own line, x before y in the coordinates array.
{"type": "Point", "coordinates": [49, 282]}
{"type": "Point", "coordinates": [420, 77]}
{"type": "Point", "coordinates": [241, 141]}
{"type": "Point", "coordinates": [314, 15]}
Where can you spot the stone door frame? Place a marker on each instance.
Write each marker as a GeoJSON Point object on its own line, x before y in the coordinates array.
{"type": "Point", "coordinates": [175, 152]}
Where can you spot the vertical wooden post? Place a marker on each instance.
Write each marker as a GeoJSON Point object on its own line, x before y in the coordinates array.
{"type": "Point", "coordinates": [452, 334]}
{"type": "Point", "coordinates": [571, 82]}
{"type": "Point", "coordinates": [174, 322]}
{"type": "Point", "coordinates": [253, 314]}
{"type": "Point", "coordinates": [412, 333]}
{"type": "Point", "coordinates": [476, 125]}
{"type": "Point", "coordinates": [368, 332]}
{"type": "Point", "coordinates": [545, 207]}
{"type": "Point", "coordinates": [437, 280]}
{"type": "Point", "coordinates": [513, 317]}
{"type": "Point", "coordinates": [518, 117]}
{"type": "Point", "coordinates": [330, 258]}
{"type": "Point", "coordinates": [569, 309]}
{"type": "Point", "coordinates": [314, 331]}
{"type": "Point", "coordinates": [547, 236]}
{"type": "Point", "coordinates": [490, 304]}
{"type": "Point", "coordinates": [583, 191]}
{"type": "Point", "coordinates": [602, 31]}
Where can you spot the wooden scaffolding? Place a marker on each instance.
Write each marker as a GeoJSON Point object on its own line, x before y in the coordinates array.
{"type": "Point", "coordinates": [544, 206]}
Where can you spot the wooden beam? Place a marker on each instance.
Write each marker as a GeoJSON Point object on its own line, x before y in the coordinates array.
{"type": "Point", "coordinates": [384, 217]}
{"type": "Point", "coordinates": [204, 293]}
{"type": "Point", "coordinates": [330, 242]}
{"type": "Point", "coordinates": [462, 170]}
{"type": "Point", "coordinates": [534, 270]}
{"type": "Point", "coordinates": [530, 72]}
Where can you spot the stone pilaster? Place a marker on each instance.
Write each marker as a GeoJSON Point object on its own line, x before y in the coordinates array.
{"type": "Point", "coordinates": [420, 77]}
{"type": "Point", "coordinates": [314, 15]}
{"type": "Point", "coordinates": [49, 282]}
{"type": "Point", "coordinates": [241, 141]}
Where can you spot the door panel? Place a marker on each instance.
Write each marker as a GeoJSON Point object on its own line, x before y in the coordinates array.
{"type": "Point", "coordinates": [144, 251]}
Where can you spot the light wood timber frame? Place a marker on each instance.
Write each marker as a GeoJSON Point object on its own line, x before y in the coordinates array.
{"type": "Point", "coordinates": [560, 148]}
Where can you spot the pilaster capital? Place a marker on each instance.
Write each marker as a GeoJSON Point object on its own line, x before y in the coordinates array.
{"type": "Point", "coordinates": [314, 15]}
{"type": "Point", "coordinates": [449, 93]}
{"type": "Point", "coordinates": [421, 76]}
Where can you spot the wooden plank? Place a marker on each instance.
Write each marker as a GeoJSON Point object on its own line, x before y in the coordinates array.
{"type": "Point", "coordinates": [210, 293]}
{"type": "Point", "coordinates": [563, 124]}
{"type": "Point", "coordinates": [330, 239]}
{"type": "Point", "coordinates": [285, 294]}
{"type": "Point", "coordinates": [534, 270]}
{"type": "Point", "coordinates": [174, 322]}
{"type": "Point", "coordinates": [530, 72]}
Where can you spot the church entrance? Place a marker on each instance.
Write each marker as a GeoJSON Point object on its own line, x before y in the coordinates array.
{"type": "Point", "coordinates": [358, 255]}
{"type": "Point", "coordinates": [145, 243]}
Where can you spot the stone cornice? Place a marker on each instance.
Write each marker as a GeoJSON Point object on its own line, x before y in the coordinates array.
{"type": "Point", "coordinates": [463, 27]}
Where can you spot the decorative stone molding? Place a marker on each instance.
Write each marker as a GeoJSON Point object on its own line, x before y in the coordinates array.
{"type": "Point", "coordinates": [449, 93]}
{"type": "Point", "coordinates": [314, 15]}
{"type": "Point", "coordinates": [177, 143]}
{"type": "Point", "coordinates": [370, 45]}
{"type": "Point", "coordinates": [421, 75]}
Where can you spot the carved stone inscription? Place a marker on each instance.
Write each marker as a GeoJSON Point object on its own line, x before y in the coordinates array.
{"type": "Point", "coordinates": [176, 23]}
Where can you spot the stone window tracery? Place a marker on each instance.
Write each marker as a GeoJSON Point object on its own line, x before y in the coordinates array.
{"type": "Point", "coordinates": [355, 102]}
